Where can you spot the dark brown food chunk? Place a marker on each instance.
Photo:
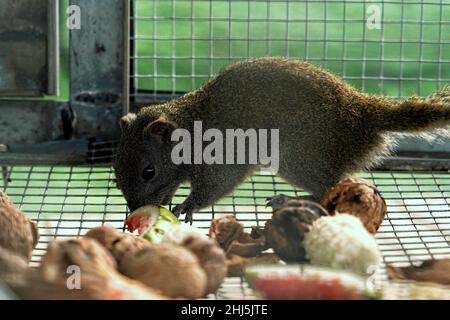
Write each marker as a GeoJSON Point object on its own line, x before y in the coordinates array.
{"type": "Point", "coordinates": [357, 197]}
{"type": "Point", "coordinates": [247, 247]}
{"type": "Point", "coordinates": [289, 223]}
{"type": "Point", "coordinates": [225, 230]}
{"type": "Point", "coordinates": [229, 234]}
{"type": "Point", "coordinates": [242, 249]}
{"type": "Point", "coordinates": [237, 264]}
{"type": "Point", "coordinates": [18, 234]}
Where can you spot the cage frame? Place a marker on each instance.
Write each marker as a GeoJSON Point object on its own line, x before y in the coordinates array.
{"type": "Point", "coordinates": [94, 147]}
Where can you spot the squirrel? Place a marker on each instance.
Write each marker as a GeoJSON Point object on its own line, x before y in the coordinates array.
{"type": "Point", "coordinates": [327, 130]}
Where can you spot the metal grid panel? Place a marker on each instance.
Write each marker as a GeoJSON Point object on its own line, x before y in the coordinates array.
{"type": "Point", "coordinates": [68, 201]}
{"type": "Point", "coordinates": [177, 45]}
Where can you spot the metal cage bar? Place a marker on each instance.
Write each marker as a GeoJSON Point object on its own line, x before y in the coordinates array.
{"type": "Point", "coordinates": [68, 201]}
{"type": "Point", "coordinates": [180, 44]}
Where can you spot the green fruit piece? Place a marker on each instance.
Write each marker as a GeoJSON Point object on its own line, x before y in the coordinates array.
{"type": "Point", "coordinates": [151, 222]}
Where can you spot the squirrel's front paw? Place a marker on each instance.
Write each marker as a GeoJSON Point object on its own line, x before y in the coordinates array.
{"type": "Point", "coordinates": [186, 209]}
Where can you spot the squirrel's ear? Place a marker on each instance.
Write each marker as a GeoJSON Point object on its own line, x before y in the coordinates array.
{"type": "Point", "coordinates": [126, 121]}
{"type": "Point", "coordinates": [160, 129]}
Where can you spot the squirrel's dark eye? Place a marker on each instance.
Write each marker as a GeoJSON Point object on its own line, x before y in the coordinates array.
{"type": "Point", "coordinates": [148, 172]}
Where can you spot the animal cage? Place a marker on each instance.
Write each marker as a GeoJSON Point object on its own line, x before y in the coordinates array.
{"type": "Point", "coordinates": [132, 53]}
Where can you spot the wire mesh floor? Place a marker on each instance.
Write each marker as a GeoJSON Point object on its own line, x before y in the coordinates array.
{"type": "Point", "coordinates": [68, 201]}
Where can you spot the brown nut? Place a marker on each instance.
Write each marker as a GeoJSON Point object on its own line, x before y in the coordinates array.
{"type": "Point", "coordinates": [17, 233]}
{"type": "Point", "coordinates": [171, 269]}
{"type": "Point", "coordinates": [357, 197]}
{"type": "Point", "coordinates": [116, 242]}
{"type": "Point", "coordinates": [12, 267]}
{"type": "Point", "coordinates": [92, 261]}
{"type": "Point", "coordinates": [211, 258]}
{"type": "Point", "coordinates": [289, 223]}
{"type": "Point", "coordinates": [97, 270]}
{"type": "Point", "coordinates": [86, 253]}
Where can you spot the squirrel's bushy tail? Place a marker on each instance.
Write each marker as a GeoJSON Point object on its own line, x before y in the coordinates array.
{"type": "Point", "coordinates": [415, 115]}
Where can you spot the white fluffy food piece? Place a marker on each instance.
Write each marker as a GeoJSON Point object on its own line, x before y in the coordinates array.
{"type": "Point", "coordinates": [180, 232]}
{"type": "Point", "coordinates": [342, 242]}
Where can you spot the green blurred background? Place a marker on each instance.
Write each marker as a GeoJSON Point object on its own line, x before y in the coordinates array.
{"type": "Point", "coordinates": [181, 44]}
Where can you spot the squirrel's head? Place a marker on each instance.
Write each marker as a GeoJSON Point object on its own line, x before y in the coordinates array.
{"type": "Point", "coordinates": [144, 170]}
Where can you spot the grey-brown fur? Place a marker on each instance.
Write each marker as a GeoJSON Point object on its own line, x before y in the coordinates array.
{"type": "Point", "coordinates": [328, 130]}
